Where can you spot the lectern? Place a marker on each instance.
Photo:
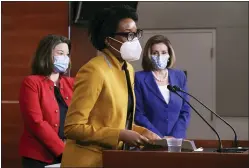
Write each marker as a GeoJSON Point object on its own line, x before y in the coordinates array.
{"type": "Point", "coordinates": [161, 158]}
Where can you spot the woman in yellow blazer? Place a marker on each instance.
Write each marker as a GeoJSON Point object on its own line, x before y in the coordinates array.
{"type": "Point", "coordinates": [97, 117]}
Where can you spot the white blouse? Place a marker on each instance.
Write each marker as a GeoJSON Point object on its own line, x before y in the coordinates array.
{"type": "Point", "coordinates": [165, 92]}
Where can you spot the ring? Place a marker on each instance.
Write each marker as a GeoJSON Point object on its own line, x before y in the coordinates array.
{"type": "Point", "coordinates": [138, 141]}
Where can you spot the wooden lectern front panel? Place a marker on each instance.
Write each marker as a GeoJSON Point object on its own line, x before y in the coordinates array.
{"type": "Point", "coordinates": [163, 159]}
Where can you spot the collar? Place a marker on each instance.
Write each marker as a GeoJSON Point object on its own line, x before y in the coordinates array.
{"type": "Point", "coordinates": [47, 77]}
{"type": "Point", "coordinates": [112, 59]}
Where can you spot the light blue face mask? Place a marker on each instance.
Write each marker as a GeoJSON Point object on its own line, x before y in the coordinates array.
{"type": "Point", "coordinates": [61, 63]}
{"type": "Point", "coordinates": [160, 62]}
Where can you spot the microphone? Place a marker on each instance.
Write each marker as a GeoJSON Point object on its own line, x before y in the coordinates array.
{"type": "Point", "coordinates": [172, 89]}
{"type": "Point", "coordinates": [235, 143]}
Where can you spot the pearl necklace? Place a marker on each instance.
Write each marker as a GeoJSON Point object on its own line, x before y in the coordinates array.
{"type": "Point", "coordinates": [161, 80]}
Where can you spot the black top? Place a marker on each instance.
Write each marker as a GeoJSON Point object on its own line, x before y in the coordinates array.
{"type": "Point", "coordinates": [63, 110]}
{"type": "Point", "coordinates": [130, 98]}
{"type": "Point", "coordinates": [130, 103]}
{"type": "Point", "coordinates": [130, 107]}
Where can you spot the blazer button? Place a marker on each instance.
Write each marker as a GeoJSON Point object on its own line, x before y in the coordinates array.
{"type": "Point", "coordinates": [56, 125]}
{"type": "Point", "coordinates": [51, 87]}
{"type": "Point", "coordinates": [56, 111]}
{"type": "Point", "coordinates": [66, 98]}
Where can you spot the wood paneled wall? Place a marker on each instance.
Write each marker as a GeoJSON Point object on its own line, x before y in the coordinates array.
{"type": "Point", "coordinates": [23, 26]}
{"type": "Point", "coordinates": [82, 49]}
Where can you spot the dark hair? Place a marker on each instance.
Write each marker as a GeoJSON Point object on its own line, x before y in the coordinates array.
{"type": "Point", "coordinates": [105, 23]}
{"type": "Point", "coordinates": [146, 62]}
{"type": "Point", "coordinates": [42, 63]}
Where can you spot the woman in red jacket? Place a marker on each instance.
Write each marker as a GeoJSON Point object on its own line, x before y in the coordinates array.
{"type": "Point", "coordinates": [44, 99]}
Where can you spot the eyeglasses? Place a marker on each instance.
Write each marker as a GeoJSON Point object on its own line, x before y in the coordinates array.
{"type": "Point", "coordinates": [131, 35]}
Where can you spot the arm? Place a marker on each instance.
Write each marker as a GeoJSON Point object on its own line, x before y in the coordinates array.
{"type": "Point", "coordinates": [33, 118]}
{"type": "Point", "coordinates": [138, 129]}
{"type": "Point", "coordinates": [182, 123]}
{"type": "Point", "coordinates": [88, 85]}
{"type": "Point", "coordinates": [140, 117]}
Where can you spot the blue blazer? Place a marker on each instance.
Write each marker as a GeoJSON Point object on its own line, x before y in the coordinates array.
{"type": "Point", "coordinates": [154, 113]}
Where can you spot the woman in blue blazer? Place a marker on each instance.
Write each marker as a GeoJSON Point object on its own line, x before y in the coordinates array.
{"type": "Point", "coordinates": [158, 109]}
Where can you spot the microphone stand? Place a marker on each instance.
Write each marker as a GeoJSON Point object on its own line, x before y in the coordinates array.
{"type": "Point", "coordinates": [220, 144]}
{"type": "Point", "coordinates": [235, 148]}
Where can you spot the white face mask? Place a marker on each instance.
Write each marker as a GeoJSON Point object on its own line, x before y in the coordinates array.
{"type": "Point", "coordinates": [130, 50]}
{"type": "Point", "coordinates": [61, 63]}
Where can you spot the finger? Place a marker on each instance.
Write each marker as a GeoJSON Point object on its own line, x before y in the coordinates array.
{"type": "Point", "coordinates": [144, 139]}
{"type": "Point", "coordinates": [156, 137]}
{"type": "Point", "coordinates": [138, 142]}
{"type": "Point", "coordinates": [169, 137]}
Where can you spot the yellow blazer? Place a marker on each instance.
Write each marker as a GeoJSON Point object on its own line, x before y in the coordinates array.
{"type": "Point", "coordinates": [97, 112]}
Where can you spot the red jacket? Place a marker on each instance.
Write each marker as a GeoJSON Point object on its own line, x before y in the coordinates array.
{"type": "Point", "coordinates": [40, 112]}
